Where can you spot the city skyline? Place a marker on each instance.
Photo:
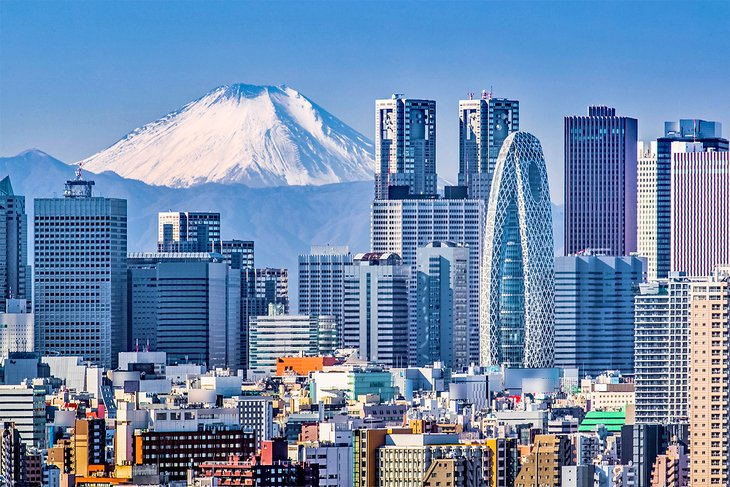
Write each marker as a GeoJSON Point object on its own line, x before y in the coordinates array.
{"type": "Point", "coordinates": [91, 100]}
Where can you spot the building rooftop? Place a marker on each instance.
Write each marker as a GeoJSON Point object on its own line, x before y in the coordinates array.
{"type": "Point", "coordinates": [612, 420]}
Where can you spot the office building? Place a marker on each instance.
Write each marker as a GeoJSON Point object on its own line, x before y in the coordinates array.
{"type": "Point", "coordinates": [661, 350]}
{"type": "Point", "coordinates": [700, 213]}
{"type": "Point", "coordinates": [709, 379]}
{"type": "Point", "coordinates": [279, 335]}
{"type": "Point", "coordinates": [484, 123]}
{"type": "Point", "coordinates": [650, 442]}
{"type": "Point", "coordinates": [443, 305]}
{"type": "Point", "coordinates": [80, 274]}
{"type": "Point", "coordinates": [188, 231]}
{"type": "Point", "coordinates": [600, 182]}
{"type": "Point", "coordinates": [709, 134]}
{"type": "Point", "coordinates": [15, 275]}
{"type": "Point", "coordinates": [405, 147]}
{"type": "Point", "coordinates": [376, 308]}
{"type": "Point", "coordinates": [16, 328]}
{"type": "Point", "coordinates": [517, 275]}
{"type": "Point", "coordinates": [260, 288]}
{"type": "Point", "coordinates": [321, 281]}
{"type": "Point", "coordinates": [12, 456]}
{"type": "Point", "coordinates": [238, 253]}
{"type": "Point", "coordinates": [594, 312]}
{"type": "Point", "coordinates": [404, 226]}
{"type": "Point", "coordinates": [25, 406]}
{"type": "Point", "coordinates": [646, 206]}
{"type": "Point", "coordinates": [187, 305]}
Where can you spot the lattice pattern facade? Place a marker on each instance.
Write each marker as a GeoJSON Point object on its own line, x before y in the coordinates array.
{"type": "Point", "coordinates": [517, 288]}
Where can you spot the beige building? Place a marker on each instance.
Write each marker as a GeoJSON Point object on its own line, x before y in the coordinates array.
{"type": "Point", "coordinates": [545, 462]}
{"type": "Point", "coordinates": [709, 391]}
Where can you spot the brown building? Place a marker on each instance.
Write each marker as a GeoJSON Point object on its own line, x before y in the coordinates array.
{"type": "Point", "coordinates": [550, 453]}
{"type": "Point", "coordinates": [672, 468]}
{"type": "Point", "coordinates": [89, 443]}
{"type": "Point", "coordinates": [708, 380]}
{"type": "Point", "coordinates": [175, 452]}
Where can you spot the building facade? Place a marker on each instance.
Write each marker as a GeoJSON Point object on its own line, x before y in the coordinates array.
{"type": "Point", "coordinates": [187, 305]}
{"type": "Point", "coordinates": [238, 253]}
{"type": "Point", "coordinates": [403, 226]}
{"type": "Point", "coordinates": [594, 312]}
{"type": "Point", "coordinates": [405, 147]}
{"type": "Point", "coordinates": [188, 231]}
{"type": "Point", "coordinates": [376, 308]}
{"type": "Point", "coordinates": [517, 274]}
{"type": "Point", "coordinates": [600, 182]}
{"type": "Point", "coordinates": [279, 335]}
{"type": "Point", "coordinates": [484, 123]}
{"type": "Point", "coordinates": [80, 275]}
{"type": "Point", "coordinates": [321, 282]}
{"type": "Point", "coordinates": [688, 131]}
{"type": "Point", "coordinates": [17, 328]}
{"type": "Point", "coordinates": [709, 380]}
{"type": "Point", "coordinates": [646, 206]}
{"type": "Point", "coordinates": [700, 213]}
{"type": "Point", "coordinates": [15, 274]}
{"type": "Point", "coordinates": [661, 350]}
{"type": "Point", "coordinates": [25, 406]}
{"type": "Point", "coordinates": [442, 313]}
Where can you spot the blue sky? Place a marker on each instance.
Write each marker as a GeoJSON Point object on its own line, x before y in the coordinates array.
{"type": "Point", "coordinates": [75, 77]}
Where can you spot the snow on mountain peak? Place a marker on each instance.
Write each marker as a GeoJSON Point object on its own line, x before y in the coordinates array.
{"type": "Point", "coordinates": [250, 134]}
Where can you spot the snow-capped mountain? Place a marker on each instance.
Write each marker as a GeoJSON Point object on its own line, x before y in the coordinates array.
{"type": "Point", "coordinates": [254, 135]}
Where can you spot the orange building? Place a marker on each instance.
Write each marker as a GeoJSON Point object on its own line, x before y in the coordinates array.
{"type": "Point", "coordinates": [302, 365]}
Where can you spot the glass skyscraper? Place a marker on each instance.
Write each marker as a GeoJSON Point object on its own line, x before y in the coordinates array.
{"type": "Point", "coordinates": [405, 147]}
{"type": "Point", "coordinates": [15, 272]}
{"type": "Point", "coordinates": [484, 123]}
{"type": "Point", "coordinates": [81, 275]}
{"type": "Point", "coordinates": [517, 279]}
{"type": "Point", "coordinates": [600, 182]}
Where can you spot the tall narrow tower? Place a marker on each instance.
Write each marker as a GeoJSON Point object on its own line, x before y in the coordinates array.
{"type": "Point", "coordinates": [15, 272]}
{"type": "Point", "coordinates": [517, 279]}
{"type": "Point", "coordinates": [600, 182]}
{"type": "Point", "coordinates": [405, 147]}
{"type": "Point", "coordinates": [484, 124]}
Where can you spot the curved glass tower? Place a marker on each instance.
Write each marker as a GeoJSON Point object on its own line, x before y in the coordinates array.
{"type": "Point", "coordinates": [517, 279]}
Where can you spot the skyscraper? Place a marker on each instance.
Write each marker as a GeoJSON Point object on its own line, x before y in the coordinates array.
{"type": "Point", "coordinates": [517, 279]}
{"type": "Point", "coordinates": [700, 213]}
{"type": "Point", "coordinates": [402, 226]}
{"type": "Point", "coordinates": [81, 274]}
{"type": "Point", "coordinates": [376, 308]}
{"type": "Point", "coordinates": [709, 380]}
{"type": "Point", "coordinates": [600, 182]}
{"type": "Point", "coordinates": [484, 123]}
{"type": "Point", "coordinates": [685, 130]}
{"type": "Point", "coordinates": [661, 350]}
{"type": "Point", "coordinates": [260, 288]}
{"type": "Point", "coordinates": [187, 305]}
{"type": "Point", "coordinates": [594, 312]}
{"type": "Point", "coordinates": [443, 305]}
{"type": "Point", "coordinates": [188, 231]}
{"type": "Point", "coordinates": [405, 147]}
{"type": "Point", "coordinates": [646, 206]}
{"type": "Point", "coordinates": [321, 281]}
{"type": "Point", "coordinates": [15, 272]}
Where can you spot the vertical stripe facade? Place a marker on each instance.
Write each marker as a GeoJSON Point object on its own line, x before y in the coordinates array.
{"type": "Point", "coordinates": [700, 216]}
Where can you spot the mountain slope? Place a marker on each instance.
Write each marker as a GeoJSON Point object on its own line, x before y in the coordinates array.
{"type": "Point", "coordinates": [254, 135]}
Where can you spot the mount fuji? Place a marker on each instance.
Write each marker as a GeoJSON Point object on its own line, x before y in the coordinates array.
{"type": "Point", "coordinates": [260, 136]}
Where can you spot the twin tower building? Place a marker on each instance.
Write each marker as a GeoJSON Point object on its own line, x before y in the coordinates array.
{"type": "Point", "coordinates": [500, 211]}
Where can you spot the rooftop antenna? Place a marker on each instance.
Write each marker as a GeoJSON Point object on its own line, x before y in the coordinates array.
{"type": "Point", "coordinates": [471, 95]}
{"type": "Point", "coordinates": [79, 176]}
